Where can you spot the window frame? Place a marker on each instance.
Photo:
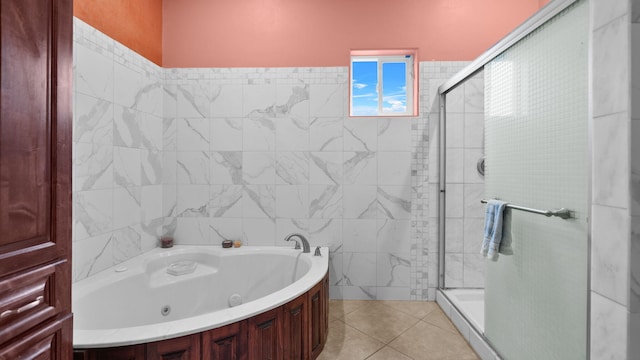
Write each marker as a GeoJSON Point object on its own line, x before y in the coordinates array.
{"type": "Point", "coordinates": [389, 56]}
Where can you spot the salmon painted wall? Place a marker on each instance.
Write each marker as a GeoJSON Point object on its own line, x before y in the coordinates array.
{"type": "Point", "coordinates": [283, 33]}
{"type": "Point", "coordinates": [136, 24]}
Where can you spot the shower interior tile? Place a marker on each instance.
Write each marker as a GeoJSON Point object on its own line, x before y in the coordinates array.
{"type": "Point", "coordinates": [455, 166]}
{"type": "Point", "coordinates": [473, 234]}
{"type": "Point", "coordinates": [471, 158]}
{"type": "Point", "coordinates": [454, 270]}
{"type": "Point", "coordinates": [474, 94]}
{"type": "Point", "coordinates": [455, 200]}
{"type": "Point", "coordinates": [455, 129]}
{"type": "Point", "coordinates": [473, 130]}
{"type": "Point", "coordinates": [454, 235]}
{"type": "Point", "coordinates": [473, 208]}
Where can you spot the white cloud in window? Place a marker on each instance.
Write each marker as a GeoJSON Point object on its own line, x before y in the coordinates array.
{"type": "Point", "coordinates": [369, 95]}
{"type": "Point", "coordinates": [359, 85]}
{"type": "Point", "coordinates": [397, 103]}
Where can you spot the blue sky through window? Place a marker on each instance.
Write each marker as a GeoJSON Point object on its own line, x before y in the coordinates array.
{"type": "Point", "coordinates": [364, 92]}
{"type": "Point", "coordinates": [394, 87]}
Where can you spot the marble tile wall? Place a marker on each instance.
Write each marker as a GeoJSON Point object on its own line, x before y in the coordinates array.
{"type": "Point", "coordinates": [251, 154]}
{"type": "Point", "coordinates": [256, 154]}
{"type": "Point", "coordinates": [464, 266]}
{"type": "Point", "coordinates": [117, 152]}
{"type": "Point", "coordinates": [614, 295]}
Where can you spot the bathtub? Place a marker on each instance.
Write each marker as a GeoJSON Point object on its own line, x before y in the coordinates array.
{"type": "Point", "coordinates": [167, 293]}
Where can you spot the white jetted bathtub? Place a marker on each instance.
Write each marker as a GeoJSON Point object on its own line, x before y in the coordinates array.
{"type": "Point", "coordinates": [167, 293]}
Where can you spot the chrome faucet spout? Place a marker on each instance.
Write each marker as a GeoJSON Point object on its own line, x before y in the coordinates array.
{"type": "Point", "coordinates": [303, 240]}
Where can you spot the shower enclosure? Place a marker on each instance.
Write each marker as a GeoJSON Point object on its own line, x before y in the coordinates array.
{"type": "Point", "coordinates": [530, 92]}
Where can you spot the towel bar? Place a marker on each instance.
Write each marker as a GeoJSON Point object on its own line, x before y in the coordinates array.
{"type": "Point", "coordinates": [561, 213]}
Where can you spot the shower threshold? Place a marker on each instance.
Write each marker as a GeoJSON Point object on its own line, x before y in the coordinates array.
{"type": "Point", "coordinates": [469, 302]}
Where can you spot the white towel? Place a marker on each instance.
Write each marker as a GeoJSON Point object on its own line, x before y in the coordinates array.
{"type": "Point", "coordinates": [493, 222]}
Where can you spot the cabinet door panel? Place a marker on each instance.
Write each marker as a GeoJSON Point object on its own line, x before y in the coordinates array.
{"type": "Point", "coordinates": [44, 342]}
{"type": "Point", "coordinates": [35, 141]}
{"type": "Point", "coordinates": [225, 343]}
{"type": "Point", "coordinates": [318, 299]}
{"type": "Point", "coordinates": [265, 338]}
{"type": "Point", "coordinates": [184, 348]}
{"type": "Point", "coordinates": [296, 332]}
{"type": "Point", "coordinates": [35, 178]}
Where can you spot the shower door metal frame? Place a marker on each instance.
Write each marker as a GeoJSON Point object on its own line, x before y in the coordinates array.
{"type": "Point", "coordinates": [552, 9]}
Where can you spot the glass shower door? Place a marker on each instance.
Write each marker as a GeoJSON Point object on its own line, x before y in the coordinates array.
{"type": "Point", "coordinates": [536, 111]}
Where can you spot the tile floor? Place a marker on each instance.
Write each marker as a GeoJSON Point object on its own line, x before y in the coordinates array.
{"type": "Point", "coordinates": [392, 330]}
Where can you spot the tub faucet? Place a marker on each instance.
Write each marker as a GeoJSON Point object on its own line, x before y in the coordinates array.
{"type": "Point", "coordinates": [305, 243]}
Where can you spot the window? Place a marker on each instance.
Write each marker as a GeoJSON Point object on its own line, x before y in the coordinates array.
{"type": "Point", "coordinates": [383, 83]}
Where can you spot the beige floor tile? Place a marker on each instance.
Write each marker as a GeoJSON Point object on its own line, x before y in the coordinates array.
{"type": "Point", "coordinates": [439, 319]}
{"type": "Point", "coordinates": [387, 353]}
{"type": "Point", "coordinates": [428, 342]}
{"type": "Point", "coordinates": [380, 321]}
{"type": "Point", "coordinates": [347, 343]}
{"type": "Point", "coordinates": [418, 309]}
{"type": "Point", "coordinates": [339, 308]}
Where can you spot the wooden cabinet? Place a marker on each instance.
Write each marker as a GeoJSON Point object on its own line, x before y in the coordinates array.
{"type": "Point", "coordinates": [184, 348]}
{"type": "Point", "coordinates": [133, 352]}
{"type": "Point", "coordinates": [35, 179]}
{"type": "Point", "coordinates": [46, 341]}
{"type": "Point", "coordinates": [265, 335]}
{"type": "Point", "coordinates": [318, 316]}
{"type": "Point", "coordinates": [225, 343]}
{"type": "Point", "coordinates": [296, 325]}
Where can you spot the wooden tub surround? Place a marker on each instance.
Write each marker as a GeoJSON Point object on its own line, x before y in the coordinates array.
{"type": "Point", "coordinates": [295, 330]}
